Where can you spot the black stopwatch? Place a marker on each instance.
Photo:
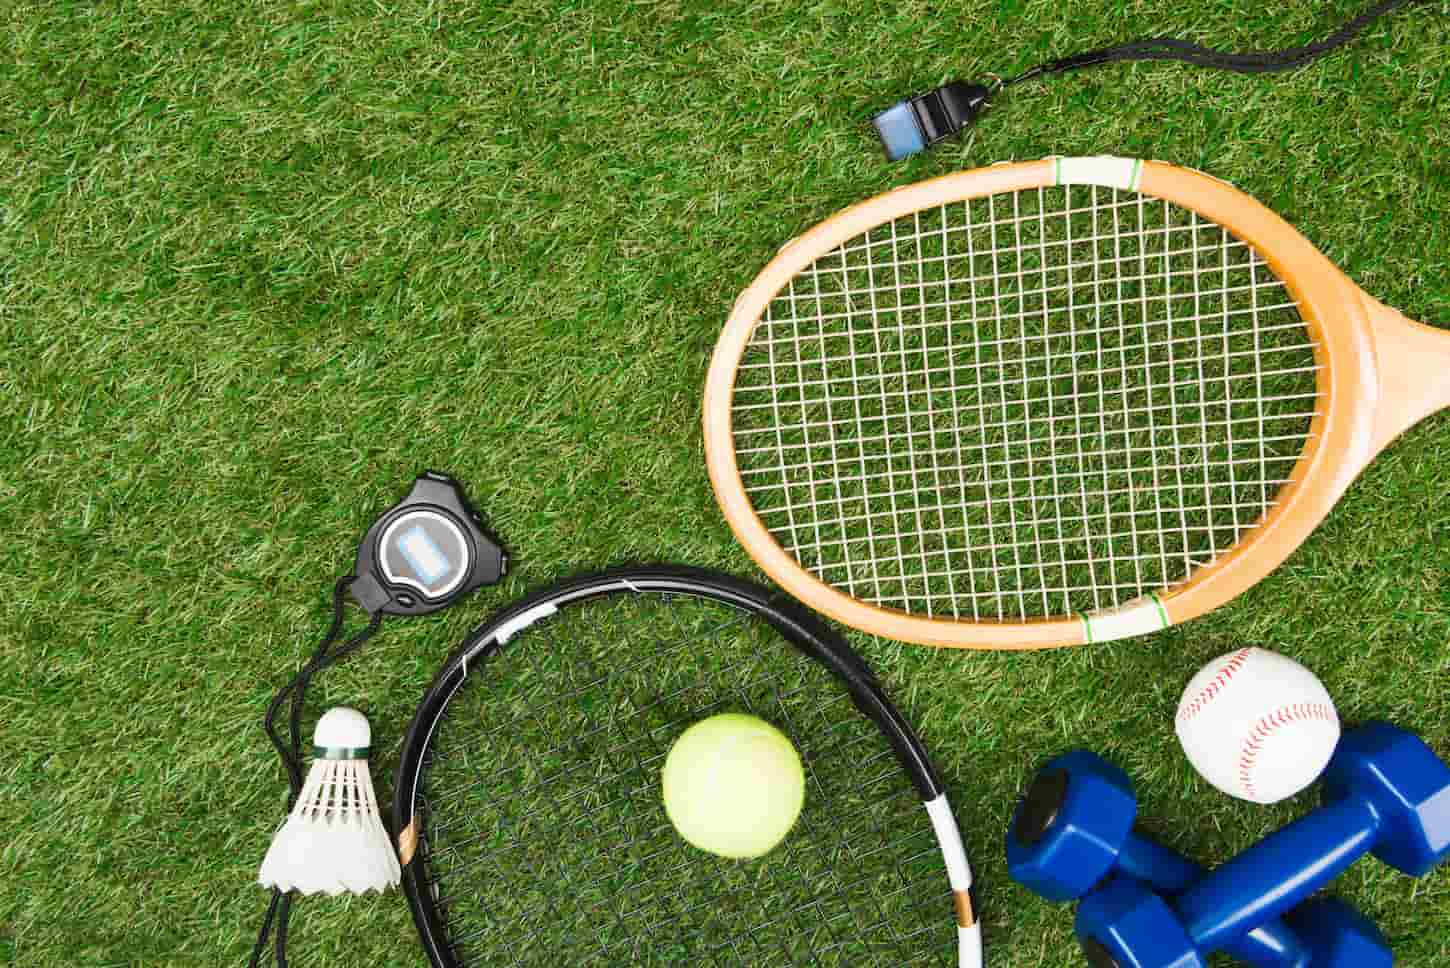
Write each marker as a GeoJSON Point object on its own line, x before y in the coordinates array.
{"type": "Point", "coordinates": [425, 552]}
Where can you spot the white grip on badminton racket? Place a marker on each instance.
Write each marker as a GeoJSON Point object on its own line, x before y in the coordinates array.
{"type": "Point", "coordinates": [959, 874]}
{"type": "Point", "coordinates": [950, 839]}
{"type": "Point", "coordinates": [970, 945]}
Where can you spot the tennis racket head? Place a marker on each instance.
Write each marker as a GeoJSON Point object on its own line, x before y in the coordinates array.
{"type": "Point", "coordinates": [528, 791]}
{"type": "Point", "coordinates": [1049, 403]}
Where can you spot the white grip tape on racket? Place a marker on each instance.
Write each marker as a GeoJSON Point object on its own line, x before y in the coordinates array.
{"type": "Point", "coordinates": [959, 874]}
{"type": "Point", "coordinates": [1105, 170]}
{"type": "Point", "coordinates": [1138, 617]}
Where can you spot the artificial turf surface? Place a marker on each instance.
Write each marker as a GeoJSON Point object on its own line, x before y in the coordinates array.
{"type": "Point", "coordinates": [260, 263]}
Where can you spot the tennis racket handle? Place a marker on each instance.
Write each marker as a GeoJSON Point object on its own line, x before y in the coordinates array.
{"type": "Point", "coordinates": [1278, 872]}
{"type": "Point", "coordinates": [1414, 371]}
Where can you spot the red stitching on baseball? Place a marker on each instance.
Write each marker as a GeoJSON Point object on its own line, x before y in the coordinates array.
{"type": "Point", "coordinates": [1267, 723]}
{"type": "Point", "coordinates": [1221, 678]}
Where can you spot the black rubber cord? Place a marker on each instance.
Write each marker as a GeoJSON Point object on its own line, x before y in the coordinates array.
{"type": "Point", "coordinates": [919, 122]}
{"type": "Point", "coordinates": [1171, 49]}
{"type": "Point", "coordinates": [290, 750]}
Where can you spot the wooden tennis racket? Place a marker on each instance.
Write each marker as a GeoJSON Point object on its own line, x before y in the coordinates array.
{"type": "Point", "coordinates": [1050, 403]}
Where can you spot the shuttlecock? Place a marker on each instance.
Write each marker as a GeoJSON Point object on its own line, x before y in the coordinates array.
{"type": "Point", "coordinates": [334, 840]}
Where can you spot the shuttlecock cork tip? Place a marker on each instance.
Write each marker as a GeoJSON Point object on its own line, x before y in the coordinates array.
{"type": "Point", "coordinates": [342, 733]}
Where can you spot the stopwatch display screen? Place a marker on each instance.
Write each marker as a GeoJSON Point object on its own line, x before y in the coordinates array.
{"type": "Point", "coordinates": [425, 550]}
{"type": "Point", "coordinates": [423, 553]}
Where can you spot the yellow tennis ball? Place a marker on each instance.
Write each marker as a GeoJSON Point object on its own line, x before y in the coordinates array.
{"type": "Point", "coordinates": [733, 785]}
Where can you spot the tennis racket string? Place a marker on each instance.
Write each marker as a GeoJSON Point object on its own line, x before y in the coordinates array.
{"type": "Point", "coordinates": [544, 836]}
{"type": "Point", "coordinates": [1030, 404]}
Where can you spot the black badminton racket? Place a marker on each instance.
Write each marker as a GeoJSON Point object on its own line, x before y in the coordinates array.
{"type": "Point", "coordinates": [528, 797]}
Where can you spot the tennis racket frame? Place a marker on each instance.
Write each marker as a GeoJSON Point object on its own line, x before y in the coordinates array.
{"type": "Point", "coordinates": [1380, 373]}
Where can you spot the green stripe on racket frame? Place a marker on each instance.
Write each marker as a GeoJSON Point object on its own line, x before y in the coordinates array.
{"type": "Point", "coordinates": [528, 791]}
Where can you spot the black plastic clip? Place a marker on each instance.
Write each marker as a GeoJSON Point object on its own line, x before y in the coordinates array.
{"type": "Point", "coordinates": [917, 123]}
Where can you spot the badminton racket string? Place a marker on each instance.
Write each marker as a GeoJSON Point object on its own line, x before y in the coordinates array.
{"type": "Point", "coordinates": [583, 813]}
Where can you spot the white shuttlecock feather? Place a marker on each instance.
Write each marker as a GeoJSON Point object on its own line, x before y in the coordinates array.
{"type": "Point", "coordinates": [334, 840]}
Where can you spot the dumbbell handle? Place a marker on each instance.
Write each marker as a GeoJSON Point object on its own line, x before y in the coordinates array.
{"type": "Point", "coordinates": [1272, 944]}
{"type": "Point", "coordinates": [1278, 872]}
{"type": "Point", "coordinates": [1164, 870]}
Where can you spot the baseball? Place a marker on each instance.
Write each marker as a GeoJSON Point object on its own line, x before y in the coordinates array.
{"type": "Point", "coordinates": [1257, 725]}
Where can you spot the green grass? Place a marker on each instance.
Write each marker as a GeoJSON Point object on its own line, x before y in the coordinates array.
{"type": "Point", "coordinates": [260, 263]}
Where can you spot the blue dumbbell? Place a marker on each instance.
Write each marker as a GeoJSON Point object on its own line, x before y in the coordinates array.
{"type": "Point", "coordinates": [1385, 792]}
{"type": "Point", "coordinates": [1325, 932]}
{"type": "Point", "coordinates": [1336, 934]}
{"type": "Point", "coordinates": [1073, 828]}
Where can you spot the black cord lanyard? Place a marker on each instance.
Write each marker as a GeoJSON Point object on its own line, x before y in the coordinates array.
{"type": "Point", "coordinates": [290, 750]}
{"type": "Point", "coordinates": [422, 555]}
{"type": "Point", "coordinates": [920, 122]}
